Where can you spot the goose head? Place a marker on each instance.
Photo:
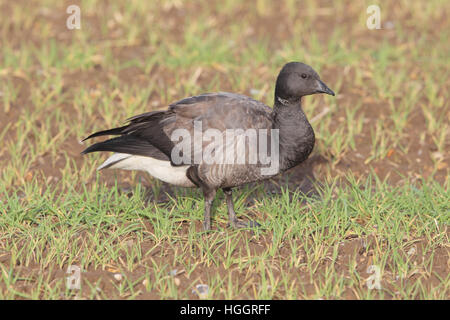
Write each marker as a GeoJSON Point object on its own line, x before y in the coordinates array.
{"type": "Point", "coordinates": [296, 80]}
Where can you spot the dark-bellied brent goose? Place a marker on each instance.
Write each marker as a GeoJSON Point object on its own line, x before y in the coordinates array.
{"type": "Point", "coordinates": [219, 140]}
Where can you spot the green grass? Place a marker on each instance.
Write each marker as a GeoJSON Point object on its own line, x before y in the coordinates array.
{"type": "Point", "coordinates": [301, 236]}
{"type": "Point", "coordinates": [383, 141]}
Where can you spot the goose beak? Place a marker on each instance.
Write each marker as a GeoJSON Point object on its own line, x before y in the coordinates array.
{"type": "Point", "coordinates": [322, 88]}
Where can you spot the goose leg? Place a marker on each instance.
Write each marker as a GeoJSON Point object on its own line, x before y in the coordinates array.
{"type": "Point", "coordinates": [208, 193]}
{"type": "Point", "coordinates": [235, 223]}
{"type": "Point", "coordinates": [209, 198]}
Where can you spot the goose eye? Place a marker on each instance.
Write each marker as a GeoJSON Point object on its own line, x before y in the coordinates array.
{"type": "Point", "coordinates": [304, 75]}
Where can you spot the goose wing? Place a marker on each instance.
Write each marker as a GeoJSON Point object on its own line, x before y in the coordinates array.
{"type": "Point", "coordinates": [150, 134]}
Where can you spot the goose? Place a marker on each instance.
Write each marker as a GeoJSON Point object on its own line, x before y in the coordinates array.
{"type": "Point", "coordinates": [180, 145]}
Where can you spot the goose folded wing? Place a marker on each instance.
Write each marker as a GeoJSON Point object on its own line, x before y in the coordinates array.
{"type": "Point", "coordinates": [219, 111]}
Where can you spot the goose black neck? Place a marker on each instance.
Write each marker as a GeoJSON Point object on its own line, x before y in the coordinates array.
{"type": "Point", "coordinates": [296, 135]}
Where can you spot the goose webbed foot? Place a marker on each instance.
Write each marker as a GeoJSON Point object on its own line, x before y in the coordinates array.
{"type": "Point", "coordinates": [239, 224]}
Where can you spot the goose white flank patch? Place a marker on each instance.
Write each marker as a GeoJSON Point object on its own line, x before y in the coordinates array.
{"type": "Point", "coordinates": [159, 169]}
{"type": "Point", "coordinates": [146, 142]}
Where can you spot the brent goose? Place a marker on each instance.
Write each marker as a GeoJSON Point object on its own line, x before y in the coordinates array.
{"type": "Point", "coordinates": [151, 141]}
